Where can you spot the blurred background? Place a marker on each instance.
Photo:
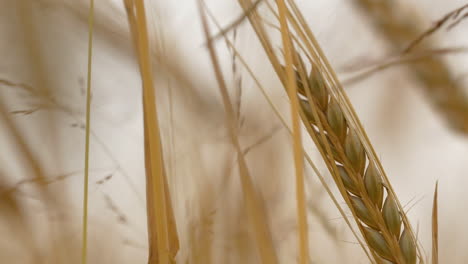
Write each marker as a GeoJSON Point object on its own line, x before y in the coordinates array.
{"type": "Point", "coordinates": [412, 104]}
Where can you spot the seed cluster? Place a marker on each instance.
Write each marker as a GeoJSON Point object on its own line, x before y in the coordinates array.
{"type": "Point", "coordinates": [375, 208]}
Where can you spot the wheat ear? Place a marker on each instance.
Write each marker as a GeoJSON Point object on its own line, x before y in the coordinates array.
{"type": "Point", "coordinates": [375, 209]}
{"type": "Point", "coordinates": [333, 125]}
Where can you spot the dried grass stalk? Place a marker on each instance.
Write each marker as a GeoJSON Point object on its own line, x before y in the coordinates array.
{"type": "Point", "coordinates": [396, 22]}
{"type": "Point", "coordinates": [163, 240]}
{"type": "Point", "coordinates": [435, 227]}
{"type": "Point", "coordinates": [291, 87]}
{"type": "Point", "coordinates": [84, 247]}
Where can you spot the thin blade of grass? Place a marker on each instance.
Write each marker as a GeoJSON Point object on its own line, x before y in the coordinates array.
{"type": "Point", "coordinates": [84, 246]}
{"type": "Point", "coordinates": [162, 237]}
{"type": "Point", "coordinates": [236, 22]}
{"type": "Point", "coordinates": [437, 25]}
{"type": "Point", "coordinates": [435, 76]}
{"type": "Point", "coordinates": [400, 60]}
{"type": "Point", "coordinates": [435, 227]}
{"type": "Point", "coordinates": [297, 144]}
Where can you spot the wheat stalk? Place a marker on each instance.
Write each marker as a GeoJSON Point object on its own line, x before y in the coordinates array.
{"type": "Point", "coordinates": [297, 144]}
{"type": "Point", "coordinates": [163, 239]}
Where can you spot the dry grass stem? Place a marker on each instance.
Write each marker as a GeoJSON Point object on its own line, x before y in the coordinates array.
{"type": "Point", "coordinates": [84, 246]}
{"type": "Point", "coordinates": [435, 227]}
{"type": "Point", "coordinates": [453, 18]}
{"type": "Point", "coordinates": [397, 25]}
{"type": "Point", "coordinates": [163, 240]}
{"type": "Point", "coordinates": [361, 72]}
{"type": "Point", "coordinates": [291, 87]}
{"type": "Point", "coordinates": [234, 24]}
